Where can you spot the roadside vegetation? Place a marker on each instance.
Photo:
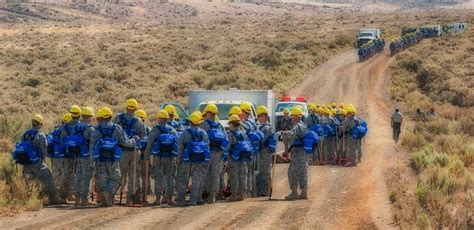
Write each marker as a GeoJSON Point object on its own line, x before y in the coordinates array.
{"type": "Point", "coordinates": [435, 190]}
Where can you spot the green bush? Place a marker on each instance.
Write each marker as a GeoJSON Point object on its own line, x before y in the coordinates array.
{"type": "Point", "coordinates": [419, 161]}
{"type": "Point", "coordinates": [422, 192]}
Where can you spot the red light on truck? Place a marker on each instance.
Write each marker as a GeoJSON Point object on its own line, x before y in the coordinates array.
{"type": "Point", "coordinates": [288, 98]}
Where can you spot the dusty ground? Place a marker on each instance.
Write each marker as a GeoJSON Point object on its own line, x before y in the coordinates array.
{"type": "Point", "coordinates": [340, 198]}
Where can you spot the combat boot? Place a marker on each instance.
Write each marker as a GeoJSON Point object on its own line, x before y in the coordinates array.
{"type": "Point", "coordinates": [105, 199]}
{"type": "Point", "coordinates": [233, 198]}
{"type": "Point", "coordinates": [303, 194]}
{"type": "Point", "coordinates": [212, 198]}
{"type": "Point", "coordinates": [293, 195]}
{"type": "Point", "coordinates": [241, 197]}
{"type": "Point", "coordinates": [170, 200]}
{"type": "Point", "coordinates": [77, 202]}
{"type": "Point", "coordinates": [157, 201]}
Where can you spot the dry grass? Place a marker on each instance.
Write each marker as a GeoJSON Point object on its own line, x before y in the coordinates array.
{"type": "Point", "coordinates": [437, 73]}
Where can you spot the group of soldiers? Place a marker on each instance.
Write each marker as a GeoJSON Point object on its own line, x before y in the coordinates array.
{"type": "Point", "coordinates": [191, 157]}
{"type": "Point", "coordinates": [405, 42]}
{"type": "Point", "coordinates": [370, 49]}
{"type": "Point", "coordinates": [340, 140]}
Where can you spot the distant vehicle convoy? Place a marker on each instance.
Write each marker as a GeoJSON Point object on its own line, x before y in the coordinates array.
{"type": "Point", "coordinates": [365, 35]}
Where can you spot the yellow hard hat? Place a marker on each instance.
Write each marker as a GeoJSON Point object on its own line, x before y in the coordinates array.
{"type": "Point", "coordinates": [297, 111]}
{"type": "Point", "coordinates": [211, 108]}
{"type": "Point", "coordinates": [350, 110]}
{"type": "Point", "coordinates": [170, 109]}
{"type": "Point", "coordinates": [341, 105]}
{"type": "Point", "coordinates": [67, 117]}
{"type": "Point", "coordinates": [312, 107]}
{"type": "Point", "coordinates": [195, 118]}
{"type": "Point", "coordinates": [235, 111]}
{"type": "Point", "coordinates": [75, 110]}
{"type": "Point", "coordinates": [141, 114]}
{"type": "Point", "coordinates": [38, 118]}
{"type": "Point", "coordinates": [342, 112]}
{"type": "Point", "coordinates": [246, 107]}
{"type": "Point", "coordinates": [234, 117]}
{"type": "Point", "coordinates": [162, 114]}
{"type": "Point", "coordinates": [132, 104]}
{"type": "Point", "coordinates": [333, 104]}
{"type": "Point", "coordinates": [104, 112]}
{"type": "Point", "coordinates": [262, 110]}
{"type": "Point", "coordinates": [88, 111]}
{"type": "Point", "coordinates": [317, 105]}
{"type": "Point", "coordinates": [286, 111]}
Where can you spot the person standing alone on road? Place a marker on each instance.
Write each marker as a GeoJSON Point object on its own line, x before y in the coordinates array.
{"type": "Point", "coordinates": [396, 121]}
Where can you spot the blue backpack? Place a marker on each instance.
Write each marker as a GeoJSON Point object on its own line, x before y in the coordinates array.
{"type": "Point", "coordinates": [243, 150]}
{"type": "Point", "coordinates": [25, 153]}
{"type": "Point", "coordinates": [106, 149]}
{"type": "Point", "coordinates": [196, 151]}
{"type": "Point", "coordinates": [127, 125]}
{"type": "Point", "coordinates": [75, 145]}
{"type": "Point", "coordinates": [318, 129]}
{"type": "Point", "coordinates": [256, 139]}
{"type": "Point", "coordinates": [55, 147]}
{"type": "Point", "coordinates": [141, 144]}
{"type": "Point", "coordinates": [310, 140]}
{"type": "Point", "coordinates": [272, 143]}
{"type": "Point", "coordinates": [360, 130]}
{"type": "Point", "coordinates": [165, 145]}
{"type": "Point", "coordinates": [217, 138]}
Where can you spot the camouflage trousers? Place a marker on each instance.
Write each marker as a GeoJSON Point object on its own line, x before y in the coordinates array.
{"type": "Point", "coordinates": [82, 177]}
{"type": "Point", "coordinates": [67, 177]}
{"type": "Point", "coordinates": [163, 172]}
{"type": "Point", "coordinates": [40, 171]}
{"type": "Point", "coordinates": [329, 148]}
{"type": "Point", "coordinates": [126, 170]}
{"type": "Point", "coordinates": [238, 177]}
{"type": "Point", "coordinates": [252, 171]}
{"type": "Point", "coordinates": [264, 176]}
{"type": "Point", "coordinates": [197, 173]}
{"type": "Point", "coordinates": [351, 148]}
{"type": "Point", "coordinates": [57, 171]}
{"type": "Point", "coordinates": [108, 176]}
{"type": "Point", "coordinates": [212, 180]}
{"type": "Point", "coordinates": [298, 169]}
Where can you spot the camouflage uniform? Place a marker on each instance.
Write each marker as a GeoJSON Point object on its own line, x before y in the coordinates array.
{"type": "Point", "coordinates": [215, 166]}
{"type": "Point", "coordinates": [84, 170]}
{"type": "Point", "coordinates": [108, 173]}
{"type": "Point", "coordinates": [310, 121]}
{"type": "Point", "coordinates": [126, 162]}
{"type": "Point", "coordinates": [265, 163]}
{"type": "Point", "coordinates": [238, 174]}
{"type": "Point", "coordinates": [298, 169]}
{"type": "Point", "coordinates": [286, 125]}
{"type": "Point", "coordinates": [194, 171]}
{"type": "Point", "coordinates": [326, 141]}
{"type": "Point", "coordinates": [69, 163]}
{"type": "Point", "coordinates": [252, 167]}
{"type": "Point", "coordinates": [40, 170]}
{"type": "Point", "coordinates": [359, 142]}
{"type": "Point", "coordinates": [164, 168]}
{"type": "Point", "coordinates": [350, 144]}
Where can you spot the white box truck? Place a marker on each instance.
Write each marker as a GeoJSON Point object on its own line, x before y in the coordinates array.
{"type": "Point", "coordinates": [367, 34]}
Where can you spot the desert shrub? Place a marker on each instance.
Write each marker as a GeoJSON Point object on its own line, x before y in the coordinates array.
{"type": "Point", "coordinates": [419, 161]}
{"type": "Point", "coordinates": [269, 58]}
{"type": "Point", "coordinates": [412, 140]}
{"type": "Point", "coordinates": [421, 193]}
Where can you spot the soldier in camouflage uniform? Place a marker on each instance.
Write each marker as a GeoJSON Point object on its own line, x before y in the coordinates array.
{"type": "Point", "coordinates": [188, 169]}
{"type": "Point", "coordinates": [69, 161]}
{"type": "Point", "coordinates": [84, 165]}
{"type": "Point", "coordinates": [57, 160]}
{"type": "Point", "coordinates": [265, 157]}
{"type": "Point", "coordinates": [215, 165]}
{"type": "Point", "coordinates": [40, 170]}
{"type": "Point", "coordinates": [163, 170]}
{"type": "Point", "coordinates": [132, 126]}
{"type": "Point", "coordinates": [298, 169]}
{"type": "Point", "coordinates": [252, 167]}
{"type": "Point", "coordinates": [108, 171]}
{"type": "Point", "coordinates": [323, 148]}
{"type": "Point", "coordinates": [311, 120]}
{"type": "Point", "coordinates": [237, 167]}
{"type": "Point", "coordinates": [350, 144]}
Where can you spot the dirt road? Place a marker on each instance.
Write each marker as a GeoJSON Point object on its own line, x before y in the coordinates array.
{"type": "Point", "coordinates": [340, 198]}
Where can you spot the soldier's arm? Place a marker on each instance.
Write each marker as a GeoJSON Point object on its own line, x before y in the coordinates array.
{"type": "Point", "coordinates": [181, 144]}
{"type": "Point", "coordinates": [141, 130]}
{"type": "Point", "coordinates": [205, 138]}
{"type": "Point", "coordinates": [42, 144]}
{"type": "Point", "coordinates": [122, 138]}
{"type": "Point", "coordinates": [151, 138]}
{"type": "Point", "coordinates": [93, 140]}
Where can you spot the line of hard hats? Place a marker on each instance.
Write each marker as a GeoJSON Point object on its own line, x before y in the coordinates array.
{"type": "Point", "coordinates": [332, 109]}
